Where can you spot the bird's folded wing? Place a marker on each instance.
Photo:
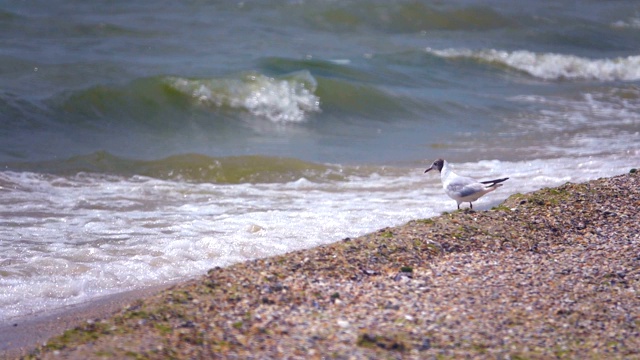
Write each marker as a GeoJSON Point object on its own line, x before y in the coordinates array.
{"type": "Point", "coordinates": [464, 190]}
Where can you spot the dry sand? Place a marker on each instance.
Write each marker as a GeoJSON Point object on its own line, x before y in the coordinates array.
{"type": "Point", "coordinates": [551, 274]}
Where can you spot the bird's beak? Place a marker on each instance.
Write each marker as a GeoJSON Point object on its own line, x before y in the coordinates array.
{"type": "Point", "coordinates": [429, 169]}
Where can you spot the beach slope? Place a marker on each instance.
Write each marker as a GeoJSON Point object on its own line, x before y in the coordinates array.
{"type": "Point", "coordinates": [554, 273]}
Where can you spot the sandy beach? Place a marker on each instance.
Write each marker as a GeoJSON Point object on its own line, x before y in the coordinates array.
{"type": "Point", "coordinates": [550, 274]}
{"type": "Point", "coordinates": [19, 336]}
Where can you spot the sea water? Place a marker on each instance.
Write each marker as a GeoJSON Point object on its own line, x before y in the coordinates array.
{"type": "Point", "coordinates": [146, 143]}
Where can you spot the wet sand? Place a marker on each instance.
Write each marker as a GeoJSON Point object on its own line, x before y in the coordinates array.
{"type": "Point", "coordinates": [21, 335]}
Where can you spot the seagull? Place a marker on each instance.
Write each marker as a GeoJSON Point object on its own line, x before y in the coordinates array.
{"type": "Point", "coordinates": [462, 188]}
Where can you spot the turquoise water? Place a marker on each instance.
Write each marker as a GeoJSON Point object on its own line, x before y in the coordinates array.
{"type": "Point", "coordinates": [146, 142]}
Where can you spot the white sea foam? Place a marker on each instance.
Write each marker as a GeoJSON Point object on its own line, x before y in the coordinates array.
{"type": "Point", "coordinates": [596, 123]}
{"type": "Point", "coordinates": [596, 110]}
{"type": "Point", "coordinates": [287, 99]}
{"type": "Point", "coordinates": [633, 23]}
{"type": "Point", "coordinates": [604, 121]}
{"type": "Point", "coordinates": [62, 242]}
{"type": "Point", "coordinates": [550, 66]}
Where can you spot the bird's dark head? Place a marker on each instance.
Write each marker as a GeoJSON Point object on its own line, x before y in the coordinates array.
{"type": "Point", "coordinates": [437, 165]}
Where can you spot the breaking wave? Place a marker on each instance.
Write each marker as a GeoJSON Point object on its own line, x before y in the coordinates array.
{"type": "Point", "coordinates": [287, 99]}
{"type": "Point", "coordinates": [194, 168]}
{"type": "Point", "coordinates": [632, 23]}
{"type": "Point", "coordinates": [550, 66]}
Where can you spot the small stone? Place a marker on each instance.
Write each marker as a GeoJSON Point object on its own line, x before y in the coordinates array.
{"type": "Point", "coordinates": [426, 344]}
{"type": "Point", "coordinates": [343, 323]}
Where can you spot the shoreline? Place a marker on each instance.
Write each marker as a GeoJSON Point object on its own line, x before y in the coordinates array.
{"type": "Point", "coordinates": [20, 335]}
{"type": "Point", "coordinates": [550, 273]}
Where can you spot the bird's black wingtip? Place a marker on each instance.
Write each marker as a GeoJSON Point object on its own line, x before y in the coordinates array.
{"type": "Point", "coordinates": [494, 182]}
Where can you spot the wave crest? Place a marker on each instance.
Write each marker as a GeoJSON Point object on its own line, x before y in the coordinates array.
{"type": "Point", "coordinates": [632, 23]}
{"type": "Point", "coordinates": [195, 168]}
{"type": "Point", "coordinates": [286, 99]}
{"type": "Point", "coordinates": [550, 66]}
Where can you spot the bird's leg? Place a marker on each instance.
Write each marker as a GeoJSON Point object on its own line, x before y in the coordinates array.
{"type": "Point", "coordinates": [471, 205]}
